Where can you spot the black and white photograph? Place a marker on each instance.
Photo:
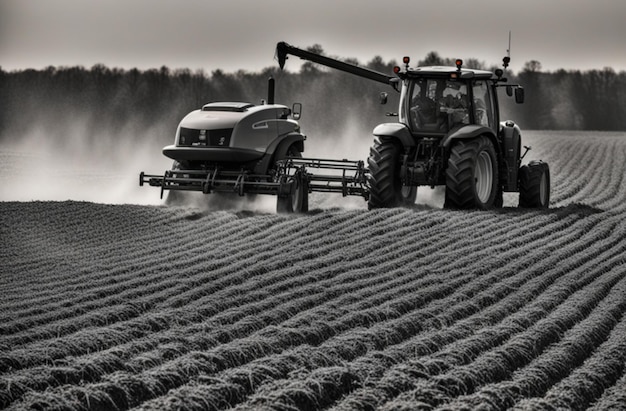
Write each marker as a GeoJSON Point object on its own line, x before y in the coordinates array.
{"type": "Point", "coordinates": [312, 205]}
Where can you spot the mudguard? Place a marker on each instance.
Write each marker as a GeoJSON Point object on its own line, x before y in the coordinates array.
{"type": "Point", "coordinates": [511, 136]}
{"type": "Point", "coordinates": [278, 149]}
{"type": "Point", "coordinates": [506, 174]}
{"type": "Point", "coordinates": [398, 131]}
{"type": "Point", "coordinates": [511, 139]}
{"type": "Point", "coordinates": [470, 131]}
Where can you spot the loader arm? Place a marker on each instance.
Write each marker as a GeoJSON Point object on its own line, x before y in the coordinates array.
{"type": "Point", "coordinates": [283, 49]}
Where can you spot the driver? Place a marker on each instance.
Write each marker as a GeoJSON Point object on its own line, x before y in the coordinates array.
{"type": "Point", "coordinates": [424, 109]}
{"type": "Point", "coordinates": [455, 106]}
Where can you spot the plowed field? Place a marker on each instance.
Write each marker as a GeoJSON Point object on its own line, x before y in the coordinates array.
{"type": "Point", "coordinates": [135, 306]}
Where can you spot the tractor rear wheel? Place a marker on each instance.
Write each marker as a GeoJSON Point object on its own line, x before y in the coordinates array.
{"type": "Point", "coordinates": [386, 189]}
{"type": "Point", "coordinates": [534, 185]}
{"type": "Point", "coordinates": [472, 175]}
{"type": "Point", "coordinates": [297, 200]}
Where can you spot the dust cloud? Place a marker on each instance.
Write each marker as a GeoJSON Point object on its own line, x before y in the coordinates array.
{"type": "Point", "coordinates": [72, 162]}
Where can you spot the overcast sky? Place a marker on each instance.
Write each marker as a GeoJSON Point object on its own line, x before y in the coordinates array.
{"type": "Point", "coordinates": [242, 34]}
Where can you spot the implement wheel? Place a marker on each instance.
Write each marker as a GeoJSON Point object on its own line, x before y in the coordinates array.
{"type": "Point", "coordinates": [534, 185]}
{"type": "Point", "coordinates": [297, 200]}
{"type": "Point", "coordinates": [472, 175]}
{"type": "Point", "coordinates": [386, 189]}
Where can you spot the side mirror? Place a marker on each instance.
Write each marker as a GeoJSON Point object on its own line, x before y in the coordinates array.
{"type": "Point", "coordinates": [519, 95]}
{"type": "Point", "coordinates": [296, 111]}
{"type": "Point", "coordinates": [383, 97]}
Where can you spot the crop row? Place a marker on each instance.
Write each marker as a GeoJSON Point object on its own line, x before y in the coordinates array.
{"type": "Point", "coordinates": [291, 276]}
{"type": "Point", "coordinates": [350, 322]}
{"type": "Point", "coordinates": [586, 168]}
{"type": "Point", "coordinates": [150, 307]}
{"type": "Point", "coordinates": [602, 369]}
{"type": "Point", "coordinates": [460, 351]}
{"type": "Point", "coordinates": [133, 276]}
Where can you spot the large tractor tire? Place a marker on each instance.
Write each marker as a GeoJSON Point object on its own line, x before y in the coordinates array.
{"type": "Point", "coordinates": [386, 189]}
{"type": "Point", "coordinates": [472, 175]}
{"type": "Point", "coordinates": [297, 200]}
{"type": "Point", "coordinates": [534, 185]}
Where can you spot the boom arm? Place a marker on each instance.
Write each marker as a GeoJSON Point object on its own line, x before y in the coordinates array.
{"type": "Point", "coordinates": [283, 49]}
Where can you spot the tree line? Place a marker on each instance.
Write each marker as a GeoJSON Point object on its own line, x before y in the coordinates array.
{"type": "Point", "coordinates": [114, 99]}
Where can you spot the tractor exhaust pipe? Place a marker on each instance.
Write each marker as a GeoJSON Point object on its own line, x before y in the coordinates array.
{"type": "Point", "coordinates": [270, 90]}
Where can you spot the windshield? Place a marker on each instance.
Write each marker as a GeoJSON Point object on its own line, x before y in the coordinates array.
{"type": "Point", "coordinates": [438, 105]}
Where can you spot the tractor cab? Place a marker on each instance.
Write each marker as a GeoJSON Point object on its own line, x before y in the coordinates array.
{"type": "Point", "coordinates": [438, 100]}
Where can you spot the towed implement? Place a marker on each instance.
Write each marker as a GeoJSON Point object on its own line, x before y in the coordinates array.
{"type": "Point", "coordinates": [448, 133]}
{"type": "Point", "coordinates": [235, 148]}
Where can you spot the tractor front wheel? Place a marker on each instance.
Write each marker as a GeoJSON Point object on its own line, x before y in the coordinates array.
{"type": "Point", "coordinates": [472, 175]}
{"type": "Point", "coordinates": [386, 188]}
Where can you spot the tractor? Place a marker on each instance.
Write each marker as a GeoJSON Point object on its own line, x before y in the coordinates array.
{"type": "Point", "coordinates": [449, 133]}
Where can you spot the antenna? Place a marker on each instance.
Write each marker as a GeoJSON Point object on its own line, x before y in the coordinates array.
{"type": "Point", "coordinates": [508, 51]}
{"type": "Point", "coordinates": [507, 59]}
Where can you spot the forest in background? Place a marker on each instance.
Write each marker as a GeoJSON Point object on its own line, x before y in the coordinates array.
{"type": "Point", "coordinates": [120, 100]}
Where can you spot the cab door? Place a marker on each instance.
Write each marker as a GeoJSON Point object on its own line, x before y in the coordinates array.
{"type": "Point", "coordinates": [485, 113]}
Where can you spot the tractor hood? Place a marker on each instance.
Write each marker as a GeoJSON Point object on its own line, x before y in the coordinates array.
{"type": "Point", "coordinates": [216, 116]}
{"type": "Point", "coordinates": [230, 115]}
{"type": "Point", "coordinates": [230, 131]}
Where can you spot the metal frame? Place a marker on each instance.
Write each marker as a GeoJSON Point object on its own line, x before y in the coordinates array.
{"type": "Point", "coordinates": [349, 178]}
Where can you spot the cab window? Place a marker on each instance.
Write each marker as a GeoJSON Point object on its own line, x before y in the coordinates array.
{"type": "Point", "coordinates": [483, 107]}
{"type": "Point", "coordinates": [438, 105]}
